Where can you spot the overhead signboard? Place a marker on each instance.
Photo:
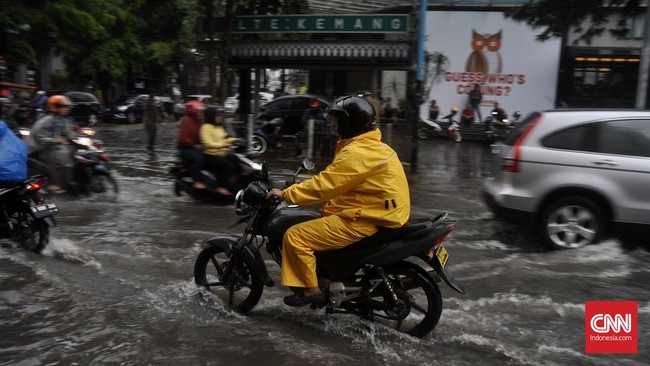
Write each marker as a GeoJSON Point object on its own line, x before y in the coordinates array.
{"type": "Point", "coordinates": [362, 23]}
{"type": "Point", "coordinates": [500, 55]}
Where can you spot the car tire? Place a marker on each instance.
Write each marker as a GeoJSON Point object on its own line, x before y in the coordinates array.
{"type": "Point", "coordinates": [572, 222]}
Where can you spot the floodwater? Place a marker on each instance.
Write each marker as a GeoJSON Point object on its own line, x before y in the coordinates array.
{"type": "Point", "coordinates": [115, 287]}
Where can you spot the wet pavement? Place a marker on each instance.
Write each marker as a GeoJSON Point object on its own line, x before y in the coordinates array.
{"type": "Point", "coordinates": [115, 287]}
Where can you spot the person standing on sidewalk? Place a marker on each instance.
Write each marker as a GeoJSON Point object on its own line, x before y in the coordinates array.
{"type": "Point", "coordinates": [475, 98]}
{"type": "Point", "coordinates": [150, 119]}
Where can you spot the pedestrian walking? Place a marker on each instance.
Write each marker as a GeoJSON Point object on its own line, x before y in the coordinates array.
{"type": "Point", "coordinates": [150, 120]}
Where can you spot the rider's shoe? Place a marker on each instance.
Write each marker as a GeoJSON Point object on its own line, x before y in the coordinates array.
{"type": "Point", "coordinates": [199, 185]}
{"type": "Point", "coordinates": [223, 191]}
{"type": "Point", "coordinates": [300, 299]}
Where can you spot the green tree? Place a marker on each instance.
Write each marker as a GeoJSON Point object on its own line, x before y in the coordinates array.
{"type": "Point", "coordinates": [436, 65]}
{"type": "Point", "coordinates": [103, 40]}
{"type": "Point", "coordinates": [558, 18]}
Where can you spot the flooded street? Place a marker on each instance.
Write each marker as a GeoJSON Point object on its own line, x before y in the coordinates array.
{"type": "Point", "coordinates": [115, 286]}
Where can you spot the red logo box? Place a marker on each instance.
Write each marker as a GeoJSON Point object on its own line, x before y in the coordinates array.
{"type": "Point", "coordinates": [611, 327]}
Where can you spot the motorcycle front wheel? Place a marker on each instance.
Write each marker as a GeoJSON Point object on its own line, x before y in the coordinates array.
{"type": "Point", "coordinates": [423, 133]}
{"type": "Point", "coordinates": [241, 289]}
{"type": "Point", "coordinates": [419, 302]}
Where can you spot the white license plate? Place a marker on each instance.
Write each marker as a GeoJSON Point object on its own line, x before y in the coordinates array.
{"type": "Point", "coordinates": [43, 210]}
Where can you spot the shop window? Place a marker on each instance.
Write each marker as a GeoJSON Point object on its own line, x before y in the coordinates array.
{"type": "Point", "coordinates": [635, 26]}
{"type": "Point", "coordinates": [604, 79]}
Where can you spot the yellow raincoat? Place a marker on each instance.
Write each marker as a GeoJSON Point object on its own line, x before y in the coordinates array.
{"type": "Point", "coordinates": [215, 139]}
{"type": "Point", "coordinates": [364, 188]}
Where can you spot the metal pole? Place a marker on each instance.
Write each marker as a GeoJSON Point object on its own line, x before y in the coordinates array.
{"type": "Point", "coordinates": [250, 128]}
{"type": "Point", "coordinates": [310, 138]}
{"type": "Point", "coordinates": [644, 67]}
{"type": "Point", "coordinates": [418, 92]}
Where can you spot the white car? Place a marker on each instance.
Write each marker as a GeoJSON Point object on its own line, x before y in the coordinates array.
{"type": "Point", "coordinates": [232, 103]}
{"type": "Point", "coordinates": [179, 108]}
{"type": "Point", "coordinates": [575, 174]}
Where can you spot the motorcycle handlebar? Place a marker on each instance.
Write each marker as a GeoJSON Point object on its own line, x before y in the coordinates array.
{"type": "Point", "coordinates": [275, 200]}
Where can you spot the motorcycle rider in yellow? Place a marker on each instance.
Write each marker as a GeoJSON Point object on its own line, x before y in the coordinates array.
{"type": "Point", "coordinates": [364, 188]}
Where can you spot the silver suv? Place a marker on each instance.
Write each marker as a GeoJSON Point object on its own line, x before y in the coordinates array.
{"type": "Point", "coordinates": [575, 174]}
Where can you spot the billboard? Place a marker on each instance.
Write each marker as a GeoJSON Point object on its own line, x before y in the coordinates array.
{"type": "Point", "coordinates": [500, 55]}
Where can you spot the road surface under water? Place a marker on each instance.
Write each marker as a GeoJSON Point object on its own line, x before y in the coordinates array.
{"type": "Point", "coordinates": [115, 287]}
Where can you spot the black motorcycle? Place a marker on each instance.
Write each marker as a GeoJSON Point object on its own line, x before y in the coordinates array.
{"type": "Point", "coordinates": [272, 134]}
{"type": "Point", "coordinates": [248, 170]}
{"type": "Point", "coordinates": [498, 128]}
{"type": "Point", "coordinates": [25, 217]}
{"type": "Point", "coordinates": [375, 278]}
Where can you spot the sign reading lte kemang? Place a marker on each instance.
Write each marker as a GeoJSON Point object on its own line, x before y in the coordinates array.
{"type": "Point", "coordinates": [384, 23]}
{"type": "Point", "coordinates": [611, 327]}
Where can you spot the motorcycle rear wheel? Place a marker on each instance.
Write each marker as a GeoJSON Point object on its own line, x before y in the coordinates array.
{"type": "Point", "coordinates": [105, 185]}
{"type": "Point", "coordinates": [241, 290]}
{"type": "Point", "coordinates": [423, 133]}
{"type": "Point", "coordinates": [419, 303]}
{"type": "Point", "coordinates": [32, 234]}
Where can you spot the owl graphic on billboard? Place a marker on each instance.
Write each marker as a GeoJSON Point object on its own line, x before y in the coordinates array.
{"type": "Point", "coordinates": [486, 57]}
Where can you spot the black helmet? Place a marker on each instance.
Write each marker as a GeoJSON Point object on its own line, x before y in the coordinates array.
{"type": "Point", "coordinates": [210, 111]}
{"type": "Point", "coordinates": [353, 116]}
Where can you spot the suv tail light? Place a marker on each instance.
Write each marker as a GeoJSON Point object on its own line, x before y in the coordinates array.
{"type": "Point", "coordinates": [511, 162]}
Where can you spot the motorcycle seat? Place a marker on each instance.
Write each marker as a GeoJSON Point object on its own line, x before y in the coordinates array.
{"type": "Point", "coordinates": [385, 235]}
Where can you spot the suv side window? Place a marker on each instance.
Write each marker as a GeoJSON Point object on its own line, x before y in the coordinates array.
{"type": "Point", "coordinates": [625, 137]}
{"type": "Point", "coordinates": [570, 138]}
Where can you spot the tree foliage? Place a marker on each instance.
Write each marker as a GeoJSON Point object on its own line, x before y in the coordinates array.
{"type": "Point", "coordinates": [104, 40]}
{"type": "Point", "coordinates": [586, 18]}
{"type": "Point", "coordinates": [112, 41]}
{"type": "Point", "coordinates": [436, 65]}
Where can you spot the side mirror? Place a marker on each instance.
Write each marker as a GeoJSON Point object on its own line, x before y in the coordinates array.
{"type": "Point", "coordinates": [265, 171]}
{"type": "Point", "coordinates": [307, 164]}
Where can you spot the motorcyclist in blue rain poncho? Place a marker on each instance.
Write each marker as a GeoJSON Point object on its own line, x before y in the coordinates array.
{"type": "Point", "coordinates": [13, 157]}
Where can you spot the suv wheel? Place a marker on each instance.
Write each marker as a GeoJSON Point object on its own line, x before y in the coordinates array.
{"type": "Point", "coordinates": [572, 222]}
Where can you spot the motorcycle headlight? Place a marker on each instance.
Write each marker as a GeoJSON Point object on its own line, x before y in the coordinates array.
{"type": "Point", "coordinates": [84, 141]}
{"type": "Point", "coordinates": [255, 194]}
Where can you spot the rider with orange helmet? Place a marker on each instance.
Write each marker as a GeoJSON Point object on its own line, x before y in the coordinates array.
{"type": "Point", "coordinates": [49, 141]}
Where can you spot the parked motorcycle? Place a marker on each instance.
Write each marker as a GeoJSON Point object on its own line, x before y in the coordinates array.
{"type": "Point", "coordinates": [376, 278]}
{"type": "Point", "coordinates": [25, 217]}
{"type": "Point", "coordinates": [431, 128]}
{"type": "Point", "coordinates": [499, 128]}
{"type": "Point", "coordinates": [248, 171]}
{"type": "Point", "coordinates": [269, 135]}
